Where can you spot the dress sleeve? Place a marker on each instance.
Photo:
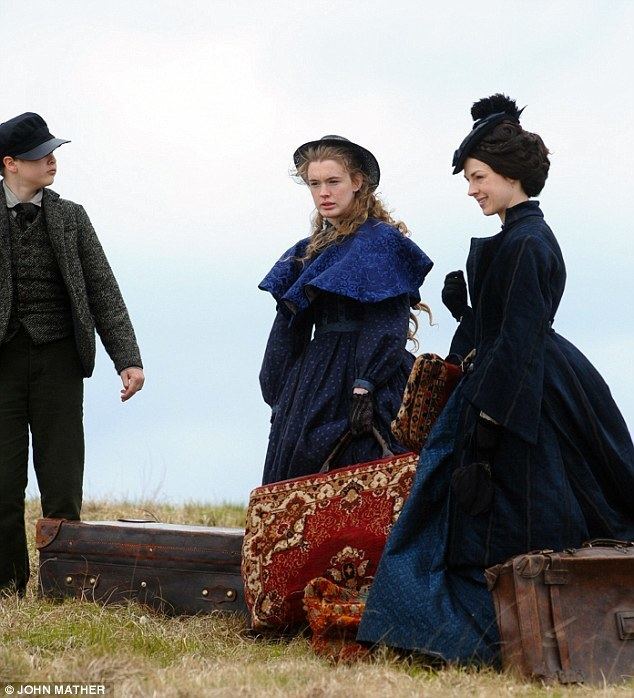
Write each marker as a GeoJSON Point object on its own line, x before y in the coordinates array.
{"type": "Point", "coordinates": [381, 341]}
{"type": "Point", "coordinates": [286, 342]}
{"type": "Point", "coordinates": [508, 379]}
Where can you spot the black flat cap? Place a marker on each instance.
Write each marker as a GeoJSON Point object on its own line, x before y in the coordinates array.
{"type": "Point", "coordinates": [366, 160]}
{"type": "Point", "coordinates": [27, 137]}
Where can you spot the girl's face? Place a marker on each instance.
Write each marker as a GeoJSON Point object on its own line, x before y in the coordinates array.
{"type": "Point", "coordinates": [493, 192]}
{"type": "Point", "coordinates": [332, 188]}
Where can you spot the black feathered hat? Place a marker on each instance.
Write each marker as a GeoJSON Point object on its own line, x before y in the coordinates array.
{"type": "Point", "coordinates": [366, 160]}
{"type": "Point", "coordinates": [487, 113]}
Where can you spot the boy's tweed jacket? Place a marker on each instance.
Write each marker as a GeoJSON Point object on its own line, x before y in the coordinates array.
{"type": "Point", "coordinates": [95, 298]}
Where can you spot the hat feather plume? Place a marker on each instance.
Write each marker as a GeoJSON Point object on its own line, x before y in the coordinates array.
{"type": "Point", "coordinates": [494, 105]}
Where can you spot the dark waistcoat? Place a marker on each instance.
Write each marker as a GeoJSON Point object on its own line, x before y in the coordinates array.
{"type": "Point", "coordinates": [40, 300]}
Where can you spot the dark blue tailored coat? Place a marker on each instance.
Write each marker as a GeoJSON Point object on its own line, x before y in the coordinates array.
{"type": "Point", "coordinates": [342, 320]}
{"type": "Point", "coordinates": [563, 472]}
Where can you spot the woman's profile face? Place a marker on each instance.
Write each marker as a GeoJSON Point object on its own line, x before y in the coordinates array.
{"type": "Point", "coordinates": [332, 188]}
{"type": "Point", "coordinates": [493, 192]}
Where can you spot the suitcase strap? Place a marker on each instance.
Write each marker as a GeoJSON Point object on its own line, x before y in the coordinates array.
{"type": "Point", "coordinates": [530, 630]}
{"type": "Point", "coordinates": [567, 674]}
{"type": "Point", "coordinates": [532, 634]}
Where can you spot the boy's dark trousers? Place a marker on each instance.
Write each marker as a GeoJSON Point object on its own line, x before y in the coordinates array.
{"type": "Point", "coordinates": [41, 387]}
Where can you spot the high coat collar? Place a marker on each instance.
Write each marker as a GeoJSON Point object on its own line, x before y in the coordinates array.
{"type": "Point", "coordinates": [514, 215]}
{"type": "Point", "coordinates": [520, 211]}
{"type": "Point", "coordinates": [483, 250]}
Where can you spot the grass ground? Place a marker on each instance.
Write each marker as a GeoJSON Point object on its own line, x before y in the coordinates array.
{"type": "Point", "coordinates": [140, 653]}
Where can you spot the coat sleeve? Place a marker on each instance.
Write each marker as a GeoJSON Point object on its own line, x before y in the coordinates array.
{"type": "Point", "coordinates": [464, 338]}
{"type": "Point", "coordinates": [105, 301]}
{"type": "Point", "coordinates": [508, 373]}
{"type": "Point", "coordinates": [381, 341]}
{"type": "Point", "coordinates": [286, 342]}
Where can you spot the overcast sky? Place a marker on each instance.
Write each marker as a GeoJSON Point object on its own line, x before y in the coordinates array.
{"type": "Point", "coordinates": [183, 117]}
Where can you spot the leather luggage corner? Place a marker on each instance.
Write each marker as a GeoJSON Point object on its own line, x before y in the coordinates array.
{"type": "Point", "coordinates": [46, 531]}
{"type": "Point", "coordinates": [567, 617]}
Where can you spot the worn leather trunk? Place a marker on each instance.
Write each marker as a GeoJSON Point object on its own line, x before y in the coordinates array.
{"type": "Point", "coordinates": [568, 616]}
{"type": "Point", "coordinates": [172, 568]}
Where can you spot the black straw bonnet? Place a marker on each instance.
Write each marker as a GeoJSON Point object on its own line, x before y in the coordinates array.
{"type": "Point", "coordinates": [27, 137]}
{"type": "Point", "coordinates": [487, 114]}
{"type": "Point", "coordinates": [367, 162]}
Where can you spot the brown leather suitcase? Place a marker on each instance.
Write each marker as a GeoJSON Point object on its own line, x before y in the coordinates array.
{"type": "Point", "coordinates": [172, 568]}
{"type": "Point", "coordinates": [568, 616]}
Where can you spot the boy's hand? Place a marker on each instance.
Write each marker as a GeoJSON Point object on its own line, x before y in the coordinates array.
{"type": "Point", "coordinates": [132, 379]}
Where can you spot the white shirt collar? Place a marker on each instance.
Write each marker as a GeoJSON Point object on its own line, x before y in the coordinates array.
{"type": "Point", "coordinates": [12, 199]}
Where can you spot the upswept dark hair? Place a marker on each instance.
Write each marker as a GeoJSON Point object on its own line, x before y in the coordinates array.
{"type": "Point", "coordinates": [510, 150]}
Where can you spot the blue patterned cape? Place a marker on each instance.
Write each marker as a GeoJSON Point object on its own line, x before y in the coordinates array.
{"type": "Point", "coordinates": [375, 263]}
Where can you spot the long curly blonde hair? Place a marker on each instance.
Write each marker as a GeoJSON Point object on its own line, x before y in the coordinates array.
{"type": "Point", "coordinates": [365, 204]}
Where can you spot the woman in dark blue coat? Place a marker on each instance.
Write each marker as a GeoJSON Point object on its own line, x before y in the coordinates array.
{"type": "Point", "coordinates": [531, 451]}
{"type": "Point", "coordinates": [336, 357]}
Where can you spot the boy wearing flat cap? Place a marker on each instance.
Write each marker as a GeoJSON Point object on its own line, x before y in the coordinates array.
{"type": "Point", "coordinates": [56, 287]}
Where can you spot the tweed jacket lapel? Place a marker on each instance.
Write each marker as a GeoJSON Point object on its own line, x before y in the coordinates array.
{"type": "Point", "coordinates": [5, 236]}
{"type": "Point", "coordinates": [55, 227]}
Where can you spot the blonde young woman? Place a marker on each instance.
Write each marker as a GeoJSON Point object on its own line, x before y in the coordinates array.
{"type": "Point", "coordinates": [336, 359]}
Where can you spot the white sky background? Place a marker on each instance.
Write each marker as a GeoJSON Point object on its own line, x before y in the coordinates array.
{"type": "Point", "coordinates": [183, 118]}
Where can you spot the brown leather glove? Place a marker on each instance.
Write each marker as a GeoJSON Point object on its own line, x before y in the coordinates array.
{"type": "Point", "coordinates": [361, 413]}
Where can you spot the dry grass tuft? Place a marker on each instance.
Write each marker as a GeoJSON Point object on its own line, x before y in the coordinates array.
{"type": "Point", "coordinates": [144, 654]}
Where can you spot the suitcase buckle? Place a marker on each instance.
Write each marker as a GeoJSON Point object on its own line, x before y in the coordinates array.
{"type": "Point", "coordinates": [570, 676]}
{"type": "Point", "coordinates": [625, 624]}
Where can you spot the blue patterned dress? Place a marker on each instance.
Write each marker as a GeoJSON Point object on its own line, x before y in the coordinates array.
{"type": "Point", "coordinates": [342, 321]}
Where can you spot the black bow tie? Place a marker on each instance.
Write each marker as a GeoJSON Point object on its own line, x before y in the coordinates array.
{"type": "Point", "coordinates": [25, 214]}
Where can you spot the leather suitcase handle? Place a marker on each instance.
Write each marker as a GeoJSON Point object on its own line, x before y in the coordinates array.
{"type": "Point", "coordinates": [345, 440]}
{"type": "Point", "coordinates": [608, 543]}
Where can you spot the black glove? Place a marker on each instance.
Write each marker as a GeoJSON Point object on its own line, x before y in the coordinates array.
{"type": "Point", "coordinates": [472, 487]}
{"type": "Point", "coordinates": [361, 413]}
{"type": "Point", "coordinates": [454, 294]}
{"type": "Point", "coordinates": [454, 359]}
{"type": "Point", "coordinates": [471, 484]}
